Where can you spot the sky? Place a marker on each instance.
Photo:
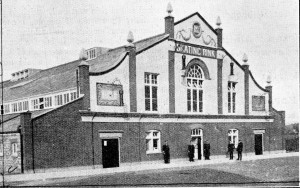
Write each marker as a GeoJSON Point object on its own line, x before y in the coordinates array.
{"type": "Point", "coordinates": [42, 34]}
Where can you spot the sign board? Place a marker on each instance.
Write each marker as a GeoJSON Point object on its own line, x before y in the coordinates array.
{"type": "Point", "coordinates": [195, 50]}
{"type": "Point", "coordinates": [109, 94]}
{"type": "Point", "coordinates": [258, 103]}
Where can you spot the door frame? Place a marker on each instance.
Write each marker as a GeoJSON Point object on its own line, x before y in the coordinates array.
{"type": "Point", "coordinates": [262, 142]}
{"type": "Point", "coordinates": [197, 136]}
{"type": "Point", "coordinates": [119, 150]}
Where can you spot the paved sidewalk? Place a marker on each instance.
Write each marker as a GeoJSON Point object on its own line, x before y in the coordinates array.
{"type": "Point", "coordinates": [133, 167]}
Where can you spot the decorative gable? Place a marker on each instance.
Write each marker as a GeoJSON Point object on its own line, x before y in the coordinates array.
{"type": "Point", "coordinates": [194, 29]}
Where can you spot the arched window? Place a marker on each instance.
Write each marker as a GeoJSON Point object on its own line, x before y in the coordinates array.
{"type": "Point", "coordinates": [194, 89]}
{"type": "Point", "coordinates": [233, 136]}
{"type": "Point", "coordinates": [153, 141]}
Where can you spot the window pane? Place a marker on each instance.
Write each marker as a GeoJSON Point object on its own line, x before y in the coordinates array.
{"type": "Point", "coordinates": [155, 141]}
{"type": "Point", "coordinates": [154, 104]}
{"type": "Point", "coordinates": [147, 104]}
{"type": "Point", "coordinates": [154, 92]}
{"type": "Point", "coordinates": [195, 100]}
{"type": "Point", "coordinates": [233, 102]}
{"type": "Point", "coordinates": [147, 92]}
{"type": "Point", "coordinates": [189, 100]}
{"type": "Point", "coordinates": [154, 79]}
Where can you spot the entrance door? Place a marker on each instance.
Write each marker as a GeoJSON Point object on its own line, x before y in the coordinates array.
{"type": "Point", "coordinates": [199, 147]}
{"type": "Point", "coordinates": [258, 144]}
{"type": "Point", "coordinates": [110, 153]}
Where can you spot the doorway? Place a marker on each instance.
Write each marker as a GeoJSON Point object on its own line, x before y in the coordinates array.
{"type": "Point", "coordinates": [258, 144]}
{"type": "Point", "coordinates": [110, 153]}
{"type": "Point", "coordinates": [197, 141]}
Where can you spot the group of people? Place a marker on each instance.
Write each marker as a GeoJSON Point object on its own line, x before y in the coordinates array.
{"type": "Point", "coordinates": [239, 149]}
{"type": "Point", "coordinates": [206, 151]}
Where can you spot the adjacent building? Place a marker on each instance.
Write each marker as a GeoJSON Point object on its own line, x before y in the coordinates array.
{"type": "Point", "coordinates": [115, 106]}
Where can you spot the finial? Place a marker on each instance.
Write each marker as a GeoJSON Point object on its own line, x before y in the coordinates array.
{"type": "Point", "coordinates": [169, 9]}
{"type": "Point", "coordinates": [83, 54]}
{"type": "Point", "coordinates": [218, 23]}
{"type": "Point", "coordinates": [245, 59]}
{"type": "Point", "coordinates": [269, 80]}
{"type": "Point", "coordinates": [130, 38]}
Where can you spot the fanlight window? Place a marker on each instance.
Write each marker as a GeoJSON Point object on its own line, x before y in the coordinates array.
{"type": "Point", "coordinates": [194, 89]}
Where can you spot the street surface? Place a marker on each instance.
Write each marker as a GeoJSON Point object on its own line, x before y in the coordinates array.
{"type": "Point", "coordinates": [263, 172]}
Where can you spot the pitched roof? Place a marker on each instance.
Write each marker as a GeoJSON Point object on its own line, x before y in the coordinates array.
{"type": "Point", "coordinates": [12, 122]}
{"type": "Point", "coordinates": [46, 81]}
{"type": "Point", "coordinates": [63, 77]}
{"type": "Point", "coordinates": [114, 57]}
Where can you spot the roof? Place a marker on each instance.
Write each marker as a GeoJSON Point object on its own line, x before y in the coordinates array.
{"type": "Point", "coordinates": [12, 123]}
{"type": "Point", "coordinates": [114, 57]}
{"type": "Point", "coordinates": [45, 81]}
{"type": "Point", "coordinates": [63, 77]}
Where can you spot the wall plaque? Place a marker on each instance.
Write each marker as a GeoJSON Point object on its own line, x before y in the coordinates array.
{"type": "Point", "coordinates": [258, 103]}
{"type": "Point", "coordinates": [109, 94]}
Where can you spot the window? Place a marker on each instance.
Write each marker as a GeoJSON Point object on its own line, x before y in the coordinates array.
{"type": "Point", "coordinates": [58, 100]}
{"type": "Point", "coordinates": [153, 141]}
{"type": "Point", "coordinates": [195, 89]}
{"type": "Point", "coordinates": [66, 98]}
{"type": "Point", "coordinates": [73, 96]}
{"type": "Point", "coordinates": [91, 54]}
{"type": "Point", "coordinates": [38, 103]}
{"type": "Point", "coordinates": [25, 105]}
{"type": "Point", "coordinates": [48, 102]}
{"type": "Point", "coordinates": [233, 136]}
{"type": "Point", "coordinates": [14, 107]}
{"type": "Point", "coordinates": [14, 151]}
{"type": "Point", "coordinates": [20, 106]}
{"type": "Point", "coordinates": [231, 97]}
{"type": "Point", "coordinates": [151, 92]}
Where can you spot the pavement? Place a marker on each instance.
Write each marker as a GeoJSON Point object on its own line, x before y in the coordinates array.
{"type": "Point", "coordinates": [134, 167]}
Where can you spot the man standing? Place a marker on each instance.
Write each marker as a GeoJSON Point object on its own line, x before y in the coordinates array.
{"type": "Point", "coordinates": [206, 150]}
{"type": "Point", "coordinates": [230, 150]}
{"type": "Point", "coordinates": [191, 151]}
{"type": "Point", "coordinates": [166, 152]}
{"type": "Point", "coordinates": [239, 149]}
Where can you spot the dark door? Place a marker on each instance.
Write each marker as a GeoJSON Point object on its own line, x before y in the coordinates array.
{"type": "Point", "coordinates": [258, 144]}
{"type": "Point", "coordinates": [199, 148]}
{"type": "Point", "coordinates": [110, 153]}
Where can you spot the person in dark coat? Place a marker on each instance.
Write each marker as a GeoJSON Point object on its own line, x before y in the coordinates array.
{"type": "Point", "coordinates": [206, 149]}
{"type": "Point", "coordinates": [230, 150]}
{"type": "Point", "coordinates": [166, 152]}
{"type": "Point", "coordinates": [191, 151]}
{"type": "Point", "coordinates": [239, 149]}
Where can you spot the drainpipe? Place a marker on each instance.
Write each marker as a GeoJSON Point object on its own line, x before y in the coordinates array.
{"type": "Point", "coordinates": [32, 145]}
{"type": "Point", "coordinates": [93, 147]}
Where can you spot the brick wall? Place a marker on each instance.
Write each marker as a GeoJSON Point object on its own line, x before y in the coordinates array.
{"type": "Point", "coordinates": [12, 163]}
{"type": "Point", "coordinates": [60, 140]}
{"type": "Point", "coordinates": [133, 141]}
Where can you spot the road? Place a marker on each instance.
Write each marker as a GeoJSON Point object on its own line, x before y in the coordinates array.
{"type": "Point", "coordinates": [264, 172]}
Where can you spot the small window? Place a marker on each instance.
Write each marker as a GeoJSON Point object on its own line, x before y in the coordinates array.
{"type": "Point", "coordinates": [66, 98]}
{"type": "Point", "coordinates": [153, 141]}
{"type": "Point", "coordinates": [14, 107]}
{"type": "Point", "coordinates": [14, 149]}
{"type": "Point", "coordinates": [58, 100]}
{"type": "Point", "coordinates": [48, 102]}
{"type": "Point", "coordinates": [233, 136]}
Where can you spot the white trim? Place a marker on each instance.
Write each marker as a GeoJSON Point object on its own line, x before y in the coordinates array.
{"type": "Point", "coordinates": [261, 131]}
{"type": "Point", "coordinates": [169, 120]}
{"type": "Point", "coordinates": [110, 135]}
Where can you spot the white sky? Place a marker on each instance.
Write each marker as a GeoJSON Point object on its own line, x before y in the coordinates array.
{"type": "Point", "coordinates": [45, 33]}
